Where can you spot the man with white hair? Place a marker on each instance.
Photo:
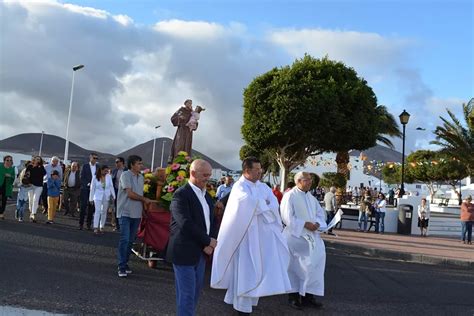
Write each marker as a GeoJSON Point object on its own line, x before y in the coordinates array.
{"type": "Point", "coordinates": [53, 165]}
{"type": "Point", "coordinates": [303, 217]}
{"type": "Point", "coordinates": [330, 205]}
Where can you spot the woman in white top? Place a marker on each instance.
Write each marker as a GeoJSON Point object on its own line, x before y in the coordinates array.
{"type": "Point", "coordinates": [423, 217]}
{"type": "Point", "coordinates": [102, 189]}
{"type": "Point", "coordinates": [380, 210]}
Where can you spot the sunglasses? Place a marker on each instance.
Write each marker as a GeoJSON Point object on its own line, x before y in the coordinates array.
{"type": "Point", "coordinates": [95, 158]}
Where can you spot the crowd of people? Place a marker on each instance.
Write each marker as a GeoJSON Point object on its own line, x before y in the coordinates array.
{"type": "Point", "coordinates": [268, 242]}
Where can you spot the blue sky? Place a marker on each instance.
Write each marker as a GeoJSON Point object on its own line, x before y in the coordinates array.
{"type": "Point", "coordinates": [442, 30]}
{"type": "Point", "coordinates": [143, 58]}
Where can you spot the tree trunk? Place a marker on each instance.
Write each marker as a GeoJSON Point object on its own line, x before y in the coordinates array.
{"type": "Point", "coordinates": [342, 160]}
{"type": "Point", "coordinates": [432, 191]}
{"type": "Point", "coordinates": [283, 174]}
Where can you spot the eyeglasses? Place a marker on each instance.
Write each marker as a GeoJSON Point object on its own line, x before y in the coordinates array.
{"type": "Point", "coordinates": [8, 160]}
{"type": "Point", "coordinates": [95, 158]}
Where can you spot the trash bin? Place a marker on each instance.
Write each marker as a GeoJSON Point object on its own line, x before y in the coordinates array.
{"type": "Point", "coordinates": [405, 215]}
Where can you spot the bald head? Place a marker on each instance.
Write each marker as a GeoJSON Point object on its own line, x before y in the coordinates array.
{"type": "Point", "coordinates": [201, 171]}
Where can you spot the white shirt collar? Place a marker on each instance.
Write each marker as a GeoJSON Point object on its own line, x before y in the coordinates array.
{"type": "Point", "coordinates": [197, 189]}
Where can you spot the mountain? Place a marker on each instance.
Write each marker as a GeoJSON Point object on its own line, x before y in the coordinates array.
{"type": "Point", "coordinates": [145, 151]}
{"type": "Point", "coordinates": [53, 145]}
{"type": "Point", "coordinates": [379, 153]}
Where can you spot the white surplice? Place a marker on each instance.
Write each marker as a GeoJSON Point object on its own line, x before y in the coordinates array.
{"type": "Point", "coordinates": [307, 250]}
{"type": "Point", "coordinates": [251, 258]}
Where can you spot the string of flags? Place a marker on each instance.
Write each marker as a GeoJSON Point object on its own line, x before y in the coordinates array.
{"type": "Point", "coordinates": [374, 165]}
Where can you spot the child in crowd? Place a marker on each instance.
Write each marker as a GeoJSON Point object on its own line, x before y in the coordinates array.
{"type": "Point", "coordinates": [24, 187]}
{"type": "Point", "coordinates": [193, 120]}
{"type": "Point", "coordinates": [54, 190]}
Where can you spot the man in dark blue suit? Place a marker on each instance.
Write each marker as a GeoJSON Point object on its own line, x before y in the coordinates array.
{"type": "Point", "coordinates": [192, 236]}
{"type": "Point", "coordinates": [87, 173]}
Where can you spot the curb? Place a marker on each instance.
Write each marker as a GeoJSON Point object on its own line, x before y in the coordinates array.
{"type": "Point", "coordinates": [403, 256]}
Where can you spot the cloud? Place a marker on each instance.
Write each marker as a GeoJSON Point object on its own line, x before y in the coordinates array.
{"type": "Point", "coordinates": [368, 51]}
{"type": "Point", "coordinates": [136, 76]}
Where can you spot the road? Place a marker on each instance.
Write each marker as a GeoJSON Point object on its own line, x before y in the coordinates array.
{"type": "Point", "coordinates": [58, 268]}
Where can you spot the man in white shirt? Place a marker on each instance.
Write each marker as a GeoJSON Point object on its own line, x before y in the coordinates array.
{"type": "Point", "coordinates": [251, 258]}
{"type": "Point", "coordinates": [72, 188]}
{"type": "Point", "coordinates": [53, 165]}
{"type": "Point", "coordinates": [330, 205]}
{"type": "Point", "coordinates": [303, 217]}
{"type": "Point", "coordinates": [192, 236]}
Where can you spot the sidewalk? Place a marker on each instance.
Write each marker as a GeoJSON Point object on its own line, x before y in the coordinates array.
{"type": "Point", "coordinates": [426, 250]}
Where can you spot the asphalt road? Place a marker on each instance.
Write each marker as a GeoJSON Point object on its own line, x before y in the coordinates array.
{"type": "Point", "coordinates": [58, 268]}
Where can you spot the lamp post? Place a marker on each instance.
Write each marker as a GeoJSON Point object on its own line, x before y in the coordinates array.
{"type": "Point", "coordinates": [404, 117]}
{"type": "Point", "coordinates": [41, 143]}
{"type": "Point", "coordinates": [66, 149]}
{"type": "Point", "coordinates": [162, 152]}
{"type": "Point", "coordinates": [153, 154]}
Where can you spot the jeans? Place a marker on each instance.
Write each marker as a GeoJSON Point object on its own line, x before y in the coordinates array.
{"type": "Point", "coordinates": [189, 281]}
{"type": "Point", "coordinates": [466, 230]}
{"type": "Point", "coordinates": [379, 221]}
{"type": "Point", "coordinates": [330, 216]}
{"type": "Point", "coordinates": [363, 218]}
{"type": "Point", "coordinates": [20, 208]}
{"type": "Point", "coordinates": [128, 233]}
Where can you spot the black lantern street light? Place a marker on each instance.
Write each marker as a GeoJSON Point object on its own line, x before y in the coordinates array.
{"type": "Point", "coordinates": [404, 117]}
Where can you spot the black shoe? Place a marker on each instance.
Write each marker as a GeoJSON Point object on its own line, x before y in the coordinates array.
{"type": "Point", "coordinates": [89, 227]}
{"type": "Point", "coordinates": [242, 313]}
{"type": "Point", "coordinates": [80, 227]}
{"type": "Point", "coordinates": [294, 301]}
{"type": "Point", "coordinates": [309, 300]}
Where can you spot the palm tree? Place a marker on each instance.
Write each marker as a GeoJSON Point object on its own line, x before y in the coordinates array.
{"type": "Point", "coordinates": [386, 127]}
{"type": "Point", "coordinates": [457, 139]}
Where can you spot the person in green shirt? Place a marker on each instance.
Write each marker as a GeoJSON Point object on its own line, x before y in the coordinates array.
{"type": "Point", "coordinates": [7, 176]}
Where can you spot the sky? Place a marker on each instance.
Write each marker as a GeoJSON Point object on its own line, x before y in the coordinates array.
{"type": "Point", "coordinates": [144, 58]}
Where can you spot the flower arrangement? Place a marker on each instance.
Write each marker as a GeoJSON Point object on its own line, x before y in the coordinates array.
{"type": "Point", "coordinates": [164, 182]}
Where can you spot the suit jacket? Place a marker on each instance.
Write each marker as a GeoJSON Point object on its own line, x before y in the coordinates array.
{"type": "Point", "coordinates": [114, 176]}
{"type": "Point", "coordinates": [66, 178]}
{"type": "Point", "coordinates": [86, 176]}
{"type": "Point", "coordinates": [188, 234]}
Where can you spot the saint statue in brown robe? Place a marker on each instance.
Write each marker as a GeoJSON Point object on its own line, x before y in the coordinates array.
{"type": "Point", "coordinates": [184, 135]}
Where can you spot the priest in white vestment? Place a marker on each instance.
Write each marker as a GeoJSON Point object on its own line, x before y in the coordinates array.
{"type": "Point", "coordinates": [251, 258]}
{"type": "Point", "coordinates": [304, 217]}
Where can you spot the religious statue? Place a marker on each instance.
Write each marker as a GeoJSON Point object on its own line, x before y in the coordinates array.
{"type": "Point", "coordinates": [186, 119]}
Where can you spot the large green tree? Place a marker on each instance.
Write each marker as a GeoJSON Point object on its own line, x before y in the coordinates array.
{"type": "Point", "coordinates": [312, 106]}
{"type": "Point", "coordinates": [420, 168]}
{"type": "Point", "coordinates": [457, 138]}
{"type": "Point", "coordinates": [385, 126]}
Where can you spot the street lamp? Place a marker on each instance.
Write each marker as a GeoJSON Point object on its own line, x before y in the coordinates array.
{"type": "Point", "coordinates": [41, 143]}
{"type": "Point", "coordinates": [66, 149]}
{"type": "Point", "coordinates": [162, 152]}
{"type": "Point", "coordinates": [153, 153]}
{"type": "Point", "coordinates": [404, 117]}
